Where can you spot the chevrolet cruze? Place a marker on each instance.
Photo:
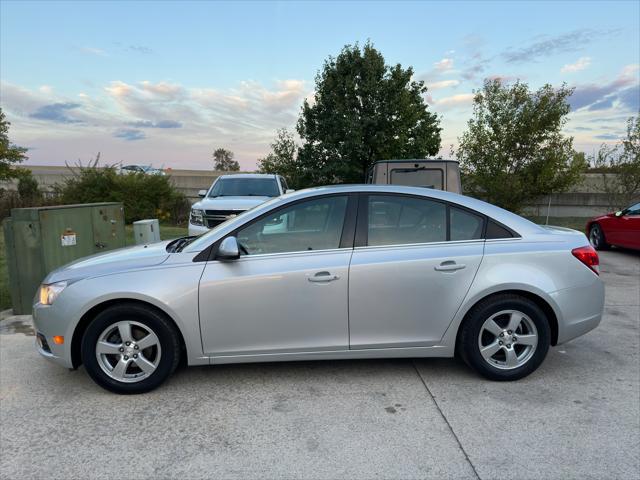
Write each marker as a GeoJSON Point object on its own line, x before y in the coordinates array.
{"type": "Point", "coordinates": [327, 273]}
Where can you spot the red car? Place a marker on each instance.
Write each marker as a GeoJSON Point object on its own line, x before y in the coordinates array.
{"type": "Point", "coordinates": [621, 229]}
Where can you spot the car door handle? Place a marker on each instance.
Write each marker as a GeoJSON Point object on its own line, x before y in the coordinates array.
{"type": "Point", "coordinates": [322, 277]}
{"type": "Point", "coordinates": [449, 266]}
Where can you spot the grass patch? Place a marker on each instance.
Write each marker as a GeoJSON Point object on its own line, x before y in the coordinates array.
{"type": "Point", "coordinates": [167, 232]}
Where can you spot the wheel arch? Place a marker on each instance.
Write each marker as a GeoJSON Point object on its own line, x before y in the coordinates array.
{"type": "Point", "coordinates": [541, 302]}
{"type": "Point", "coordinates": [95, 310]}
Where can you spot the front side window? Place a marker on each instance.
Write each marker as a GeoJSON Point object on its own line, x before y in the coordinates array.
{"type": "Point", "coordinates": [306, 226]}
{"type": "Point", "coordinates": [245, 187]}
{"type": "Point", "coordinates": [400, 220]}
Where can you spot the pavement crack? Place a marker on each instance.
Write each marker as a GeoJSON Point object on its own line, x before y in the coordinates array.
{"type": "Point", "coordinates": [464, 452]}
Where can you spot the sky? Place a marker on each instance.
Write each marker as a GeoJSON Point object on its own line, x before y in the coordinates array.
{"type": "Point", "coordinates": [166, 83]}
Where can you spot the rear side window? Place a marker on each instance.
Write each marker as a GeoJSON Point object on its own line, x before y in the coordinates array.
{"type": "Point", "coordinates": [464, 225]}
{"type": "Point", "coordinates": [495, 230]}
{"type": "Point", "coordinates": [399, 220]}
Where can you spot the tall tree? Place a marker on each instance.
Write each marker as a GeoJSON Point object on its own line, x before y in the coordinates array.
{"type": "Point", "coordinates": [223, 161]}
{"type": "Point", "coordinates": [619, 165]}
{"type": "Point", "coordinates": [363, 111]}
{"type": "Point", "coordinates": [10, 154]}
{"type": "Point", "coordinates": [283, 159]}
{"type": "Point", "coordinates": [513, 150]}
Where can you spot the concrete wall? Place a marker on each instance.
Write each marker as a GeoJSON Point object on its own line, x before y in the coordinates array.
{"type": "Point", "coordinates": [583, 200]}
{"type": "Point", "coordinates": [186, 181]}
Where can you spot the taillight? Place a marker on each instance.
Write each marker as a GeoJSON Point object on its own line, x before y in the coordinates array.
{"type": "Point", "coordinates": [588, 256]}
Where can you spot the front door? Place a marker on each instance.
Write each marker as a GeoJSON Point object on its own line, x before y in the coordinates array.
{"type": "Point", "coordinates": [409, 279]}
{"type": "Point", "coordinates": [288, 291]}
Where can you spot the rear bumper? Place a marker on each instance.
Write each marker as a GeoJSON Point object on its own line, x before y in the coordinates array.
{"type": "Point", "coordinates": [581, 309]}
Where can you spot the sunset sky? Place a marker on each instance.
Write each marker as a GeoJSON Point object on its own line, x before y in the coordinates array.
{"type": "Point", "coordinates": [165, 83]}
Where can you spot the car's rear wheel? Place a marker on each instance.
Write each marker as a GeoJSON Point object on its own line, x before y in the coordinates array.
{"type": "Point", "coordinates": [596, 237]}
{"type": "Point", "coordinates": [130, 348]}
{"type": "Point", "coordinates": [505, 337]}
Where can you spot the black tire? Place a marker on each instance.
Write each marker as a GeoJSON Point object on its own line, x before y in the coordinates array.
{"type": "Point", "coordinates": [468, 340]}
{"type": "Point", "coordinates": [165, 331]}
{"type": "Point", "coordinates": [597, 238]}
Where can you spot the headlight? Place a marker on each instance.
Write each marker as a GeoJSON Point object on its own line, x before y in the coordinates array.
{"type": "Point", "coordinates": [49, 293]}
{"type": "Point", "coordinates": [197, 217]}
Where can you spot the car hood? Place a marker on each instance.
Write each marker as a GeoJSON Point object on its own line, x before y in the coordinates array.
{"type": "Point", "coordinates": [230, 203]}
{"type": "Point", "coordinates": [129, 258]}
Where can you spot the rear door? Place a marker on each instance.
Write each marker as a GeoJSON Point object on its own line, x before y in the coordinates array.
{"type": "Point", "coordinates": [414, 261]}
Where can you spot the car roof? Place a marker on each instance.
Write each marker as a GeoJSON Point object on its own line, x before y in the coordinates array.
{"type": "Point", "coordinates": [248, 175]}
{"type": "Point", "coordinates": [511, 220]}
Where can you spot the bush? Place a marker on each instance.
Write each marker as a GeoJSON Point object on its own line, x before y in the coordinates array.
{"type": "Point", "coordinates": [28, 194]}
{"type": "Point", "coordinates": [143, 196]}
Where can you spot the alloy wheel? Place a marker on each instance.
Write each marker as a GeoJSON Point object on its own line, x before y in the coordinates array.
{"type": "Point", "coordinates": [508, 339]}
{"type": "Point", "coordinates": [128, 351]}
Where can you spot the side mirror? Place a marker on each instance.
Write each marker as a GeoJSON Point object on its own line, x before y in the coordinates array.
{"type": "Point", "coordinates": [289, 190]}
{"type": "Point", "coordinates": [228, 249]}
{"type": "Point", "coordinates": [619, 213]}
{"type": "Point", "coordinates": [202, 193]}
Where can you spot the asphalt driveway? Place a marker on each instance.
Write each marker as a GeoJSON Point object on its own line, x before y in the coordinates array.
{"type": "Point", "coordinates": [578, 416]}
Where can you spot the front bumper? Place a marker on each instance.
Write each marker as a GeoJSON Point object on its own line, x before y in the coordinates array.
{"type": "Point", "coordinates": [48, 322]}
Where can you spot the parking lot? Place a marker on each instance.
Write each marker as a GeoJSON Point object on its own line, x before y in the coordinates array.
{"type": "Point", "coordinates": [578, 416]}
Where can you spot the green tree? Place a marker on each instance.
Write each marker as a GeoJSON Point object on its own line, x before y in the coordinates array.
{"type": "Point", "coordinates": [620, 167]}
{"type": "Point", "coordinates": [513, 150]}
{"type": "Point", "coordinates": [10, 154]}
{"type": "Point", "coordinates": [223, 161]}
{"type": "Point", "coordinates": [363, 111]}
{"type": "Point", "coordinates": [283, 159]}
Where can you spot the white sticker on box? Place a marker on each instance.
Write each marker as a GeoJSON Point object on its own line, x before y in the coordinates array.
{"type": "Point", "coordinates": [68, 239]}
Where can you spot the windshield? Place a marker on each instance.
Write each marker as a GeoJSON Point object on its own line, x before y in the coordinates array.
{"type": "Point", "coordinates": [245, 187]}
{"type": "Point", "coordinates": [204, 240]}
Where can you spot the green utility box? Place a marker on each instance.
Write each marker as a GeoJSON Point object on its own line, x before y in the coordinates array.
{"type": "Point", "coordinates": [41, 239]}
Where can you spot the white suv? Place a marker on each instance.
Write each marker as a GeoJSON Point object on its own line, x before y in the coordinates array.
{"type": "Point", "coordinates": [231, 195]}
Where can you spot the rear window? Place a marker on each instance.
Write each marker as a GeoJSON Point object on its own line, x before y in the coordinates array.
{"type": "Point", "coordinates": [418, 177]}
{"type": "Point", "coordinates": [245, 187]}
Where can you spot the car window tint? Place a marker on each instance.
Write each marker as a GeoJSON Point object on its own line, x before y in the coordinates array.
{"type": "Point", "coordinates": [464, 225]}
{"type": "Point", "coordinates": [311, 225]}
{"type": "Point", "coordinates": [633, 209]}
{"type": "Point", "coordinates": [399, 220]}
{"type": "Point", "coordinates": [497, 231]}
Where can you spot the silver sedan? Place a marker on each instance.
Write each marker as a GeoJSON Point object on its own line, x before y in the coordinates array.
{"type": "Point", "coordinates": [327, 273]}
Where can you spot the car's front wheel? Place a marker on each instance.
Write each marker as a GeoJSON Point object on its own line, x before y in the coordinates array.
{"type": "Point", "coordinates": [130, 349]}
{"type": "Point", "coordinates": [505, 337]}
{"type": "Point", "coordinates": [596, 237]}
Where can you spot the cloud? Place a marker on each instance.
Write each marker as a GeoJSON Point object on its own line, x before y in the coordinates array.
{"type": "Point", "coordinates": [600, 96]}
{"type": "Point", "coordinates": [140, 49]}
{"type": "Point", "coordinates": [454, 101]}
{"type": "Point", "coordinates": [56, 112]}
{"type": "Point", "coordinates": [607, 136]}
{"type": "Point", "coordinates": [159, 124]}
{"type": "Point", "coordinates": [129, 134]}
{"type": "Point", "coordinates": [93, 51]}
{"type": "Point", "coordinates": [444, 65]}
{"type": "Point", "coordinates": [443, 84]}
{"type": "Point", "coordinates": [580, 64]}
{"type": "Point", "coordinates": [547, 45]}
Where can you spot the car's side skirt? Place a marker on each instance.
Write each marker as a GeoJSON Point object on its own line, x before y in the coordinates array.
{"type": "Point", "coordinates": [438, 351]}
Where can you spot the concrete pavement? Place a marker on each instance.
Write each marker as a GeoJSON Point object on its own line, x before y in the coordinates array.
{"type": "Point", "coordinates": [578, 416]}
